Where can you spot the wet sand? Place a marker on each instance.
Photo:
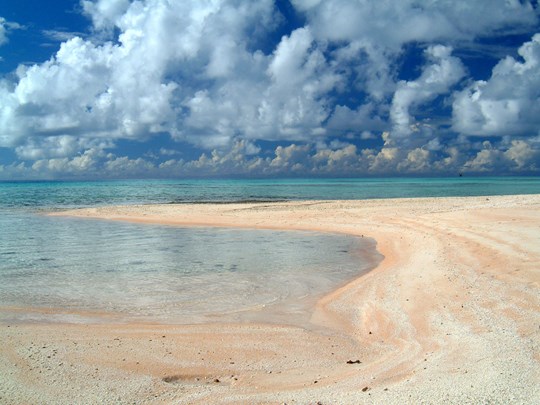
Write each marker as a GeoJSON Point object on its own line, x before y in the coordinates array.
{"type": "Point", "coordinates": [451, 315]}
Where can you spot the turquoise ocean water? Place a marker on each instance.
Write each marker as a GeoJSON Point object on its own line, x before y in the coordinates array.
{"type": "Point", "coordinates": [36, 195]}
{"type": "Point", "coordinates": [71, 269]}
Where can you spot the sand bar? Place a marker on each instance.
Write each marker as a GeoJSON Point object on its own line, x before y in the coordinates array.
{"type": "Point", "coordinates": [451, 315]}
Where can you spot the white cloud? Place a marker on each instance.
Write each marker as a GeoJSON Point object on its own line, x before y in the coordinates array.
{"type": "Point", "coordinates": [3, 34]}
{"type": "Point", "coordinates": [203, 72]}
{"type": "Point", "coordinates": [283, 96]}
{"type": "Point", "coordinates": [524, 155]}
{"type": "Point", "coordinates": [82, 165]}
{"type": "Point", "coordinates": [168, 152]}
{"type": "Point", "coordinates": [186, 68]}
{"type": "Point", "coordinates": [514, 155]}
{"type": "Point", "coordinates": [437, 78]}
{"type": "Point", "coordinates": [5, 28]}
{"type": "Point", "coordinates": [291, 157]}
{"type": "Point", "coordinates": [365, 135]}
{"type": "Point", "coordinates": [105, 14]}
{"type": "Point", "coordinates": [417, 160]}
{"type": "Point", "coordinates": [126, 167]}
{"type": "Point", "coordinates": [366, 117]}
{"type": "Point", "coordinates": [506, 104]}
{"type": "Point", "coordinates": [372, 33]}
{"type": "Point", "coordinates": [392, 24]}
{"type": "Point", "coordinates": [58, 147]}
{"type": "Point", "coordinates": [11, 129]}
{"type": "Point", "coordinates": [61, 36]}
{"type": "Point", "coordinates": [342, 159]}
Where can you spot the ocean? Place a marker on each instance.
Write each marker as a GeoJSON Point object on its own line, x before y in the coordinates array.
{"type": "Point", "coordinates": [81, 270]}
{"type": "Point", "coordinates": [58, 195]}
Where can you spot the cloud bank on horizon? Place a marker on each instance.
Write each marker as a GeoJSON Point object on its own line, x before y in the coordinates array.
{"type": "Point", "coordinates": [162, 88]}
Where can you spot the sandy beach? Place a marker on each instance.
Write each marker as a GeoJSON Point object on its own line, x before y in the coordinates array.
{"type": "Point", "coordinates": [450, 315]}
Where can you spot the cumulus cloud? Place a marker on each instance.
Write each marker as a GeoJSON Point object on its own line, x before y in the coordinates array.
{"type": "Point", "coordinates": [339, 159]}
{"type": "Point", "coordinates": [392, 24]}
{"type": "Point", "coordinates": [58, 147]}
{"type": "Point", "coordinates": [508, 103]}
{"type": "Point", "coordinates": [83, 164]}
{"type": "Point", "coordinates": [437, 78]}
{"type": "Point", "coordinates": [206, 73]}
{"type": "Point", "coordinates": [518, 156]}
{"type": "Point", "coordinates": [362, 120]}
{"type": "Point", "coordinates": [283, 96]}
{"type": "Point", "coordinates": [372, 33]}
{"type": "Point", "coordinates": [187, 68]}
{"type": "Point", "coordinates": [105, 14]}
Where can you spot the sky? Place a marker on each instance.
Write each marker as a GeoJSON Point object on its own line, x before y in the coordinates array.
{"type": "Point", "coordinates": [98, 89]}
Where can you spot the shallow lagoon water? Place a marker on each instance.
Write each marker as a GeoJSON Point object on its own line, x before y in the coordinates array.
{"type": "Point", "coordinates": [166, 274]}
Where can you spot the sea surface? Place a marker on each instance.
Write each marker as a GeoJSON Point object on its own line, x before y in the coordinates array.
{"type": "Point", "coordinates": [83, 270]}
{"type": "Point", "coordinates": [58, 195]}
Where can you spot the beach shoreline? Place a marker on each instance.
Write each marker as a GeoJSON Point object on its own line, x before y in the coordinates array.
{"type": "Point", "coordinates": [450, 315]}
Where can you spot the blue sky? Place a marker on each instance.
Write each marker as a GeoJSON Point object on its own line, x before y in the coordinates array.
{"type": "Point", "coordinates": [157, 88]}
